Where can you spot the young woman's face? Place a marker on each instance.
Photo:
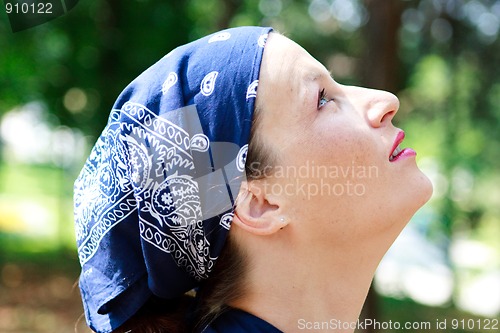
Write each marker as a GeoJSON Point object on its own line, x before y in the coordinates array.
{"type": "Point", "coordinates": [333, 146]}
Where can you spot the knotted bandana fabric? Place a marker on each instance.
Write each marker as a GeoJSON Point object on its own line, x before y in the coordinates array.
{"type": "Point", "coordinates": [154, 201]}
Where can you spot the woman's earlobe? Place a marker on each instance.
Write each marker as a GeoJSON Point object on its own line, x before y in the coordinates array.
{"type": "Point", "coordinates": [283, 222]}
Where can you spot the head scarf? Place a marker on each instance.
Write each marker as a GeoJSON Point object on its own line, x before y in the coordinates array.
{"type": "Point", "coordinates": [154, 201]}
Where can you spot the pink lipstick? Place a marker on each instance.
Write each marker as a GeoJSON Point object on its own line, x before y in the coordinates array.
{"type": "Point", "coordinates": [397, 152]}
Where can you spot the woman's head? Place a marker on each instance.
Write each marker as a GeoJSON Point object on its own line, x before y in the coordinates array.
{"type": "Point", "coordinates": [332, 179]}
{"type": "Point", "coordinates": [151, 203]}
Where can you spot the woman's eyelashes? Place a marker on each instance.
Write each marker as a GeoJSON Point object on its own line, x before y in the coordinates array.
{"type": "Point", "coordinates": [322, 99]}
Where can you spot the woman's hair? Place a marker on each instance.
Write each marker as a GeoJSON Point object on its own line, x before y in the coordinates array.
{"type": "Point", "coordinates": [192, 314]}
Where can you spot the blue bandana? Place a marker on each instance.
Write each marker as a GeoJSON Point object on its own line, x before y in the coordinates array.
{"type": "Point", "coordinates": [154, 201]}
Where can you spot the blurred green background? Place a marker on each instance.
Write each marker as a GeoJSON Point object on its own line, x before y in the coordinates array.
{"type": "Point", "coordinates": [59, 80]}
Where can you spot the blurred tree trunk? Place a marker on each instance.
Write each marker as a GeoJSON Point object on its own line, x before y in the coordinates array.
{"type": "Point", "coordinates": [109, 62]}
{"type": "Point", "coordinates": [229, 10]}
{"type": "Point", "coordinates": [379, 69]}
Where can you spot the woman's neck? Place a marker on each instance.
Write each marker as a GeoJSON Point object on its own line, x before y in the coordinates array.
{"type": "Point", "coordinates": [308, 291]}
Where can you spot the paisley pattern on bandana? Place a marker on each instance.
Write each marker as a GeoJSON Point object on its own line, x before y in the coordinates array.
{"type": "Point", "coordinates": [154, 200]}
{"type": "Point", "coordinates": [155, 147]}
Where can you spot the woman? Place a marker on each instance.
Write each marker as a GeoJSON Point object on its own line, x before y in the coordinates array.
{"type": "Point", "coordinates": [327, 190]}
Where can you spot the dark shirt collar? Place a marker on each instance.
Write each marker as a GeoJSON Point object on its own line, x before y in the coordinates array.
{"type": "Point", "coordinates": [238, 321]}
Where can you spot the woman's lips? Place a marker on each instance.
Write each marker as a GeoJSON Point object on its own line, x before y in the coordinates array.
{"type": "Point", "coordinates": [397, 152]}
{"type": "Point", "coordinates": [407, 152]}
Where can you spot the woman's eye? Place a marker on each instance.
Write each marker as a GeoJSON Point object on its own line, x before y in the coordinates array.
{"type": "Point", "coordinates": [322, 99]}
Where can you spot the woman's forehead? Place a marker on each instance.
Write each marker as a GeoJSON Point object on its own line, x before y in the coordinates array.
{"type": "Point", "coordinates": [288, 61]}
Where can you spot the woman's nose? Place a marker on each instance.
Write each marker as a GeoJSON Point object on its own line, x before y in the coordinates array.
{"type": "Point", "coordinates": [378, 106]}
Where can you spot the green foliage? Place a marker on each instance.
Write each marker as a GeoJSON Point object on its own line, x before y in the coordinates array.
{"type": "Point", "coordinates": [431, 81]}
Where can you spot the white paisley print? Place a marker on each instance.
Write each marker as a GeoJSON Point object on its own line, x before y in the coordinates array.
{"type": "Point", "coordinates": [143, 165]}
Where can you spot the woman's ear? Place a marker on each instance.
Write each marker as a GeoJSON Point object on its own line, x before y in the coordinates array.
{"type": "Point", "coordinates": [255, 212]}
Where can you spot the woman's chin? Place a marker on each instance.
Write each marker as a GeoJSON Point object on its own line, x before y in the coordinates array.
{"type": "Point", "coordinates": [418, 194]}
{"type": "Point", "coordinates": [425, 188]}
{"type": "Point", "coordinates": [409, 199]}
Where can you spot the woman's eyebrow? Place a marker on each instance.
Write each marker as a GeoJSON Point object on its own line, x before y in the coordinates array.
{"type": "Point", "coordinates": [314, 74]}
{"type": "Point", "coordinates": [330, 74]}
